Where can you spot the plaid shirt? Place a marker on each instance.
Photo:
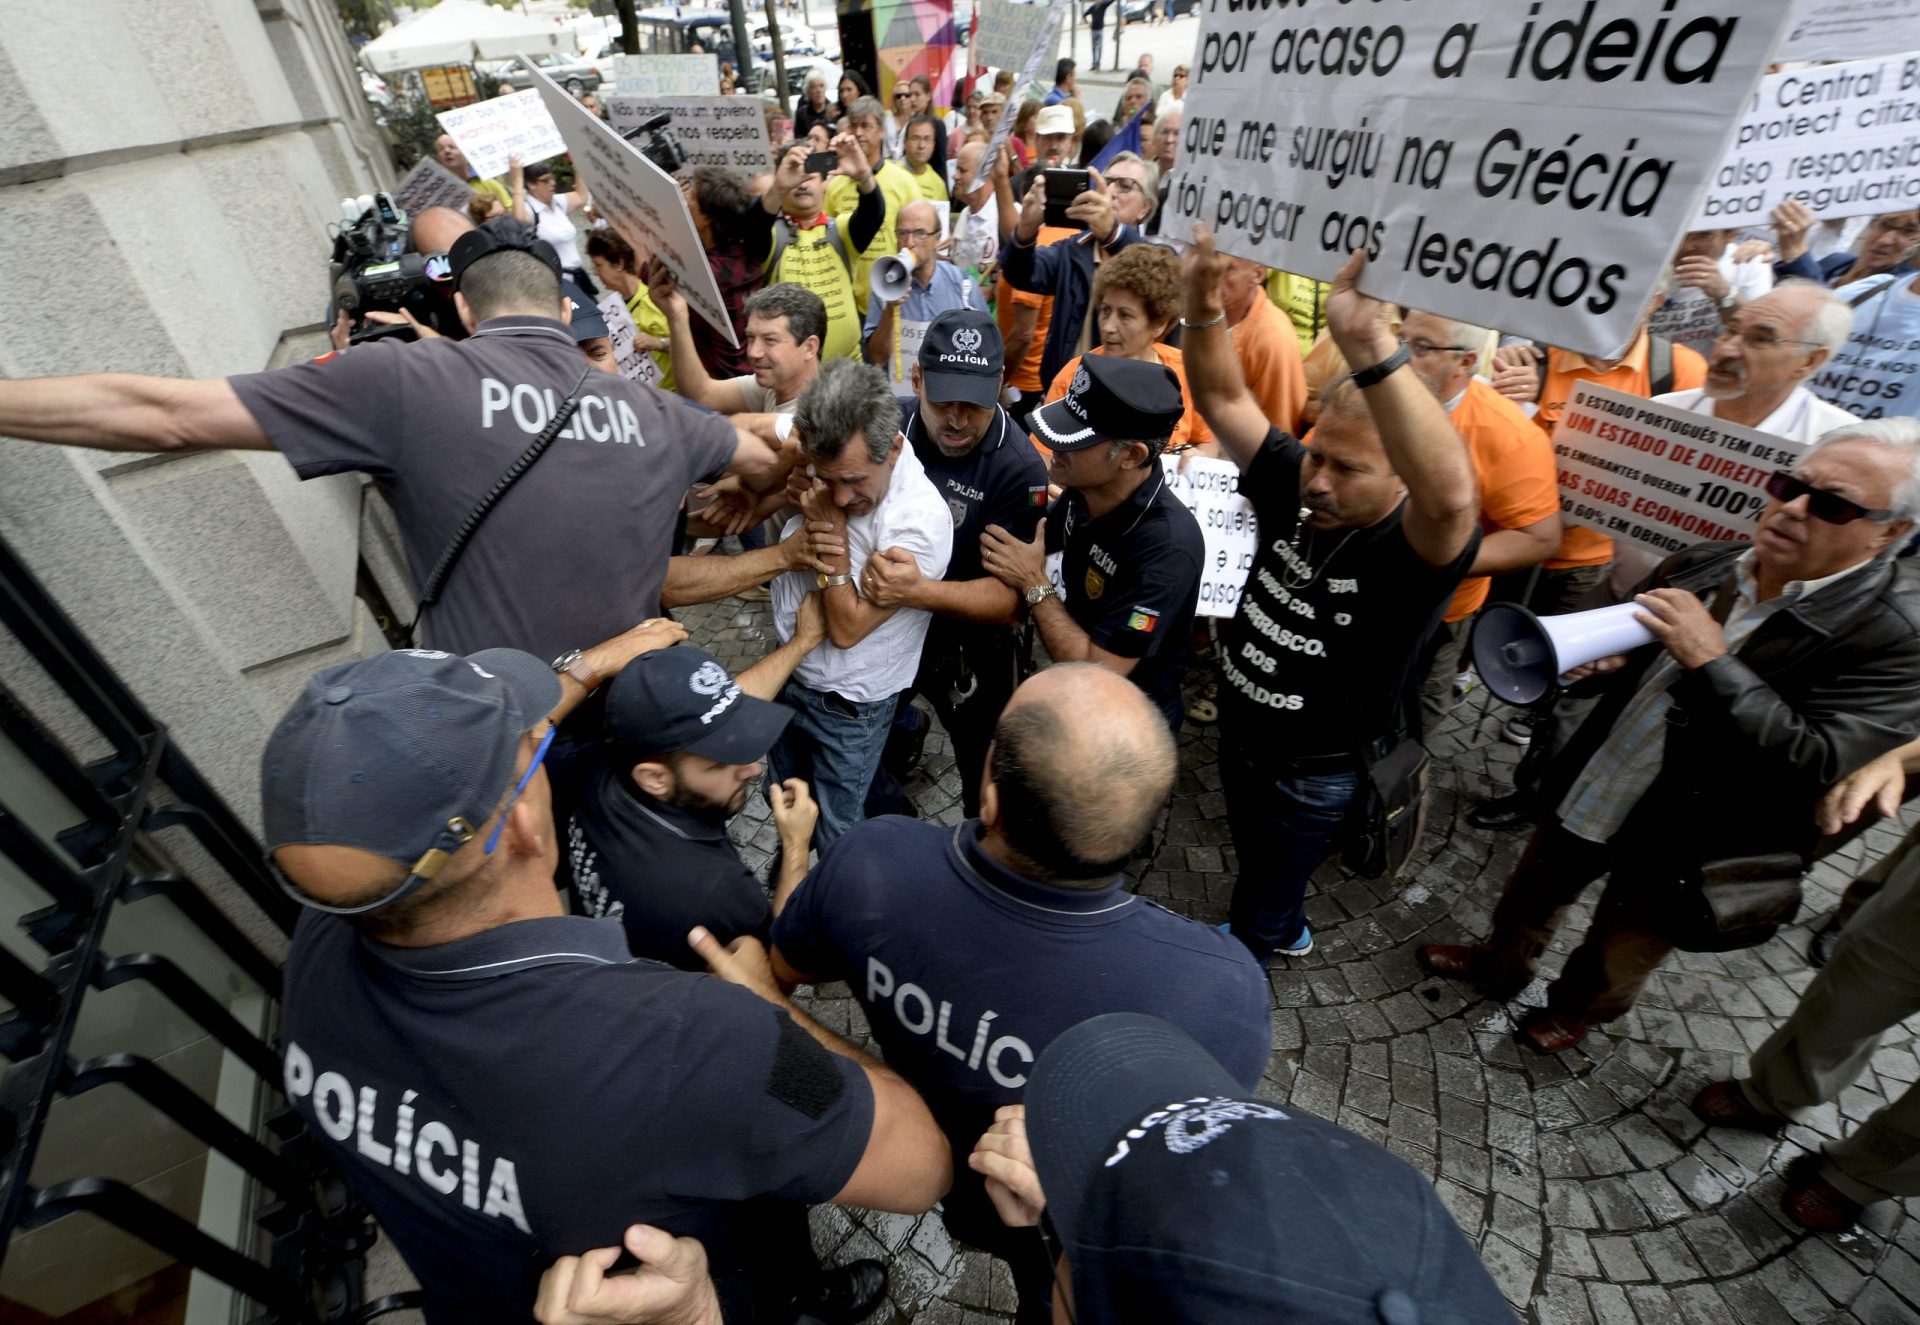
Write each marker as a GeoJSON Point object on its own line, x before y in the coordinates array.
{"type": "Point", "coordinates": [1624, 768]}
{"type": "Point", "coordinates": [738, 277]}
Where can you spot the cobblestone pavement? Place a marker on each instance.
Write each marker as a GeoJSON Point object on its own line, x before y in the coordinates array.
{"type": "Point", "coordinates": [1593, 1193]}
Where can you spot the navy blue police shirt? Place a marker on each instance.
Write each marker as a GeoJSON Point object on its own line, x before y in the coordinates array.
{"type": "Point", "coordinates": [530, 1091]}
{"type": "Point", "coordinates": [658, 869]}
{"type": "Point", "coordinates": [1002, 481]}
{"type": "Point", "coordinates": [1132, 581]}
{"type": "Point", "coordinates": [967, 971]}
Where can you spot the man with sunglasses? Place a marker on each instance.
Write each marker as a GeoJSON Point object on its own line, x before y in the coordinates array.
{"type": "Point", "coordinates": [504, 1084]}
{"type": "Point", "coordinates": [1777, 667]}
{"type": "Point", "coordinates": [896, 328]}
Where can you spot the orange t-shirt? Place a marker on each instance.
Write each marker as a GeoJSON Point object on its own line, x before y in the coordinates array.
{"type": "Point", "coordinates": [1583, 546]}
{"type": "Point", "coordinates": [1192, 430]}
{"type": "Point", "coordinates": [1270, 361]}
{"type": "Point", "coordinates": [1513, 463]}
{"type": "Point", "coordinates": [1026, 374]}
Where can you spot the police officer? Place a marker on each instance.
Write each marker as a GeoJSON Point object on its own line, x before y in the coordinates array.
{"type": "Point", "coordinates": [989, 475]}
{"type": "Point", "coordinates": [1131, 554]}
{"type": "Point", "coordinates": [579, 552]}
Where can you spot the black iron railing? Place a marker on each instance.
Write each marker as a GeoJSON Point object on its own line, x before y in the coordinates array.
{"type": "Point", "coordinates": [303, 1256]}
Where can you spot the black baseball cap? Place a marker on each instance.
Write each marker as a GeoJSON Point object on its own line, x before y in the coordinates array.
{"type": "Point", "coordinates": [401, 754]}
{"type": "Point", "coordinates": [587, 322]}
{"type": "Point", "coordinates": [1178, 1197]}
{"type": "Point", "coordinates": [493, 238]}
{"type": "Point", "coordinates": [960, 358]}
{"type": "Point", "coordinates": [1112, 400]}
{"type": "Point", "coordinates": [681, 698]}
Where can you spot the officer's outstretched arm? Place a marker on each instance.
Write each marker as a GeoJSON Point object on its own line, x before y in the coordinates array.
{"type": "Point", "coordinates": [123, 412]}
{"type": "Point", "coordinates": [759, 466]}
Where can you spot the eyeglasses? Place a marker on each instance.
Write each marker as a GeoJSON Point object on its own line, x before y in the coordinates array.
{"type": "Point", "coordinates": [539, 754]}
{"type": "Point", "coordinates": [1121, 184]}
{"type": "Point", "coordinates": [1758, 338]}
{"type": "Point", "coordinates": [1422, 348]}
{"type": "Point", "coordinates": [915, 236]}
{"type": "Point", "coordinates": [1830, 507]}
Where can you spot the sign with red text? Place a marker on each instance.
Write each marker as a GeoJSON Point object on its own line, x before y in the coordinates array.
{"type": "Point", "coordinates": [1529, 166]}
{"type": "Point", "coordinates": [1211, 490]}
{"type": "Point", "coordinates": [1659, 476]}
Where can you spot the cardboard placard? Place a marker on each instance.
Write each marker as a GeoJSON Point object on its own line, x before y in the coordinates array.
{"type": "Point", "coordinates": [716, 131]}
{"type": "Point", "coordinates": [1211, 490]}
{"type": "Point", "coordinates": [639, 200]}
{"type": "Point", "coordinates": [1841, 139]}
{"type": "Point", "coordinates": [491, 131]}
{"type": "Point", "coordinates": [1007, 33]}
{"type": "Point", "coordinates": [1038, 54]}
{"type": "Point", "coordinates": [667, 75]}
{"type": "Point", "coordinates": [430, 184]}
{"type": "Point", "coordinates": [1523, 166]}
{"type": "Point", "coordinates": [1660, 477]}
{"type": "Point", "coordinates": [1851, 29]}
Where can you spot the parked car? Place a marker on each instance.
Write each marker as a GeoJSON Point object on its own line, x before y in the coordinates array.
{"type": "Point", "coordinates": [1139, 11]}
{"type": "Point", "coordinates": [794, 40]}
{"type": "Point", "coordinates": [571, 72]}
{"type": "Point", "coordinates": [799, 67]}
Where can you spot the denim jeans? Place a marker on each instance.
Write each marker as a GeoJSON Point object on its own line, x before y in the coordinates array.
{"type": "Point", "coordinates": [1098, 34]}
{"type": "Point", "coordinates": [835, 744]}
{"type": "Point", "coordinates": [1284, 825]}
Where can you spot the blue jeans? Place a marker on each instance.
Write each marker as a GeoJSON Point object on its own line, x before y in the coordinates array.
{"type": "Point", "coordinates": [1098, 33]}
{"type": "Point", "coordinates": [835, 744]}
{"type": "Point", "coordinates": [1284, 825]}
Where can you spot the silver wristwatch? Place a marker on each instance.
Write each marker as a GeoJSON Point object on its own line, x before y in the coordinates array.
{"type": "Point", "coordinates": [571, 663]}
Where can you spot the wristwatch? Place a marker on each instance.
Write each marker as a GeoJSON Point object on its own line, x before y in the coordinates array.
{"type": "Point", "coordinates": [1039, 593]}
{"type": "Point", "coordinates": [574, 663]}
{"type": "Point", "coordinates": [1381, 371]}
{"type": "Point", "coordinates": [826, 581]}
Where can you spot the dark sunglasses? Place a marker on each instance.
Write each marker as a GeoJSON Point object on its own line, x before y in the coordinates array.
{"type": "Point", "coordinates": [1821, 504]}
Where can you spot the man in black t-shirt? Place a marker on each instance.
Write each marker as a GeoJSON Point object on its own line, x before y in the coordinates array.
{"type": "Point", "coordinates": [971, 948]}
{"type": "Point", "coordinates": [1130, 553]}
{"type": "Point", "coordinates": [647, 841]}
{"type": "Point", "coordinates": [989, 475]}
{"type": "Point", "coordinates": [1362, 541]}
{"type": "Point", "coordinates": [503, 1084]}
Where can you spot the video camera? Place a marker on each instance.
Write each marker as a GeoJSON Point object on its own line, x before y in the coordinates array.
{"type": "Point", "coordinates": [660, 148]}
{"type": "Point", "coordinates": [371, 267]}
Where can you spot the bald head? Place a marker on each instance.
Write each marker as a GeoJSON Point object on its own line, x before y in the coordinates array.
{"type": "Point", "coordinates": [435, 228]}
{"type": "Point", "coordinates": [919, 216]}
{"type": "Point", "coordinates": [1081, 764]}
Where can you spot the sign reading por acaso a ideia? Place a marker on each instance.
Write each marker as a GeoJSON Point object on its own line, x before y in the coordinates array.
{"type": "Point", "coordinates": [1524, 166]}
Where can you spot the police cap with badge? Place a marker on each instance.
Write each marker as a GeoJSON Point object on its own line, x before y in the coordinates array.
{"type": "Point", "coordinates": [961, 358]}
{"type": "Point", "coordinates": [1112, 400]}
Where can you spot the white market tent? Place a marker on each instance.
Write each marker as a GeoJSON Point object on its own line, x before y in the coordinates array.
{"type": "Point", "coordinates": [459, 32]}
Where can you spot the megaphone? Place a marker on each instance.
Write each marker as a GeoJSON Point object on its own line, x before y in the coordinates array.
{"type": "Point", "coordinates": [892, 276]}
{"type": "Point", "coordinates": [1519, 654]}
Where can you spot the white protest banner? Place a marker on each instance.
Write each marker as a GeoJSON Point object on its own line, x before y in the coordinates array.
{"type": "Point", "coordinates": [639, 200]}
{"type": "Point", "coordinates": [667, 75]}
{"type": "Point", "coordinates": [1660, 477]}
{"type": "Point", "coordinates": [1843, 139]}
{"type": "Point", "coordinates": [1041, 51]}
{"type": "Point", "coordinates": [1851, 29]}
{"type": "Point", "coordinates": [1211, 490]}
{"type": "Point", "coordinates": [714, 131]}
{"type": "Point", "coordinates": [430, 184]}
{"type": "Point", "coordinates": [1006, 33]}
{"type": "Point", "coordinates": [491, 131]}
{"type": "Point", "coordinates": [1522, 166]}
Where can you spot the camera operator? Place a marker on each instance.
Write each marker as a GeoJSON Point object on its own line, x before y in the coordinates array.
{"type": "Point", "coordinates": [582, 549]}
{"type": "Point", "coordinates": [427, 306]}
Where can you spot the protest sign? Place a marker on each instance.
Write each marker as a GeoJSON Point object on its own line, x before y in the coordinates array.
{"type": "Point", "coordinates": [1039, 53]}
{"type": "Point", "coordinates": [1843, 139]}
{"type": "Point", "coordinates": [1007, 33]}
{"type": "Point", "coordinates": [491, 131]}
{"type": "Point", "coordinates": [1658, 476]}
{"type": "Point", "coordinates": [667, 75]}
{"type": "Point", "coordinates": [640, 201]}
{"type": "Point", "coordinates": [634, 363]}
{"type": "Point", "coordinates": [1851, 29]}
{"type": "Point", "coordinates": [430, 184]}
{"type": "Point", "coordinates": [1528, 167]}
{"type": "Point", "coordinates": [1211, 490]}
{"type": "Point", "coordinates": [714, 131]}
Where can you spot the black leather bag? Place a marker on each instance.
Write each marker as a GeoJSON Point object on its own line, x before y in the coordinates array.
{"type": "Point", "coordinates": [1389, 811]}
{"type": "Point", "coordinates": [1738, 902]}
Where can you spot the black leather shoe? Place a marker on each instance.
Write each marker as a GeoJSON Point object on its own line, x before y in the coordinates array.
{"type": "Point", "coordinates": [1820, 946]}
{"type": "Point", "coordinates": [844, 1295]}
{"type": "Point", "coordinates": [1509, 811]}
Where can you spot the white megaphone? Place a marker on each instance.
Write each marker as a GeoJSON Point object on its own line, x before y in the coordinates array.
{"type": "Point", "coordinates": [1519, 654]}
{"type": "Point", "coordinates": [892, 276]}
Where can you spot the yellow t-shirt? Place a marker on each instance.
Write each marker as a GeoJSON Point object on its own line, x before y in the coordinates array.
{"type": "Point", "coordinates": [899, 188]}
{"type": "Point", "coordinates": [650, 321]}
{"type": "Point", "coordinates": [932, 187]}
{"type": "Point", "coordinates": [1304, 301]}
{"type": "Point", "coordinates": [811, 261]}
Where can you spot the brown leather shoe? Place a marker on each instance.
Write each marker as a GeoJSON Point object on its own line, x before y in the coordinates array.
{"type": "Point", "coordinates": [1470, 962]}
{"type": "Point", "coordinates": [1551, 1032]}
{"type": "Point", "coordinates": [1724, 1104]}
{"type": "Point", "coordinates": [1814, 1203]}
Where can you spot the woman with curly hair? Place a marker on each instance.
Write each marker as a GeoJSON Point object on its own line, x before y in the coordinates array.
{"type": "Point", "coordinates": [1136, 297]}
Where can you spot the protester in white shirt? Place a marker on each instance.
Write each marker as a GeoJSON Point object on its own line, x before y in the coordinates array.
{"type": "Point", "coordinates": [976, 226]}
{"type": "Point", "coordinates": [868, 493]}
{"type": "Point", "coordinates": [1708, 284]}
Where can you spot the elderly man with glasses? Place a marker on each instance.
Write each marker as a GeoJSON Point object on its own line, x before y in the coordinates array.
{"type": "Point", "coordinates": [1777, 667]}
{"type": "Point", "coordinates": [896, 326]}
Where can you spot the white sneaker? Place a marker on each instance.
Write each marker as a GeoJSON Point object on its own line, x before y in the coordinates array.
{"type": "Point", "coordinates": [1516, 732]}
